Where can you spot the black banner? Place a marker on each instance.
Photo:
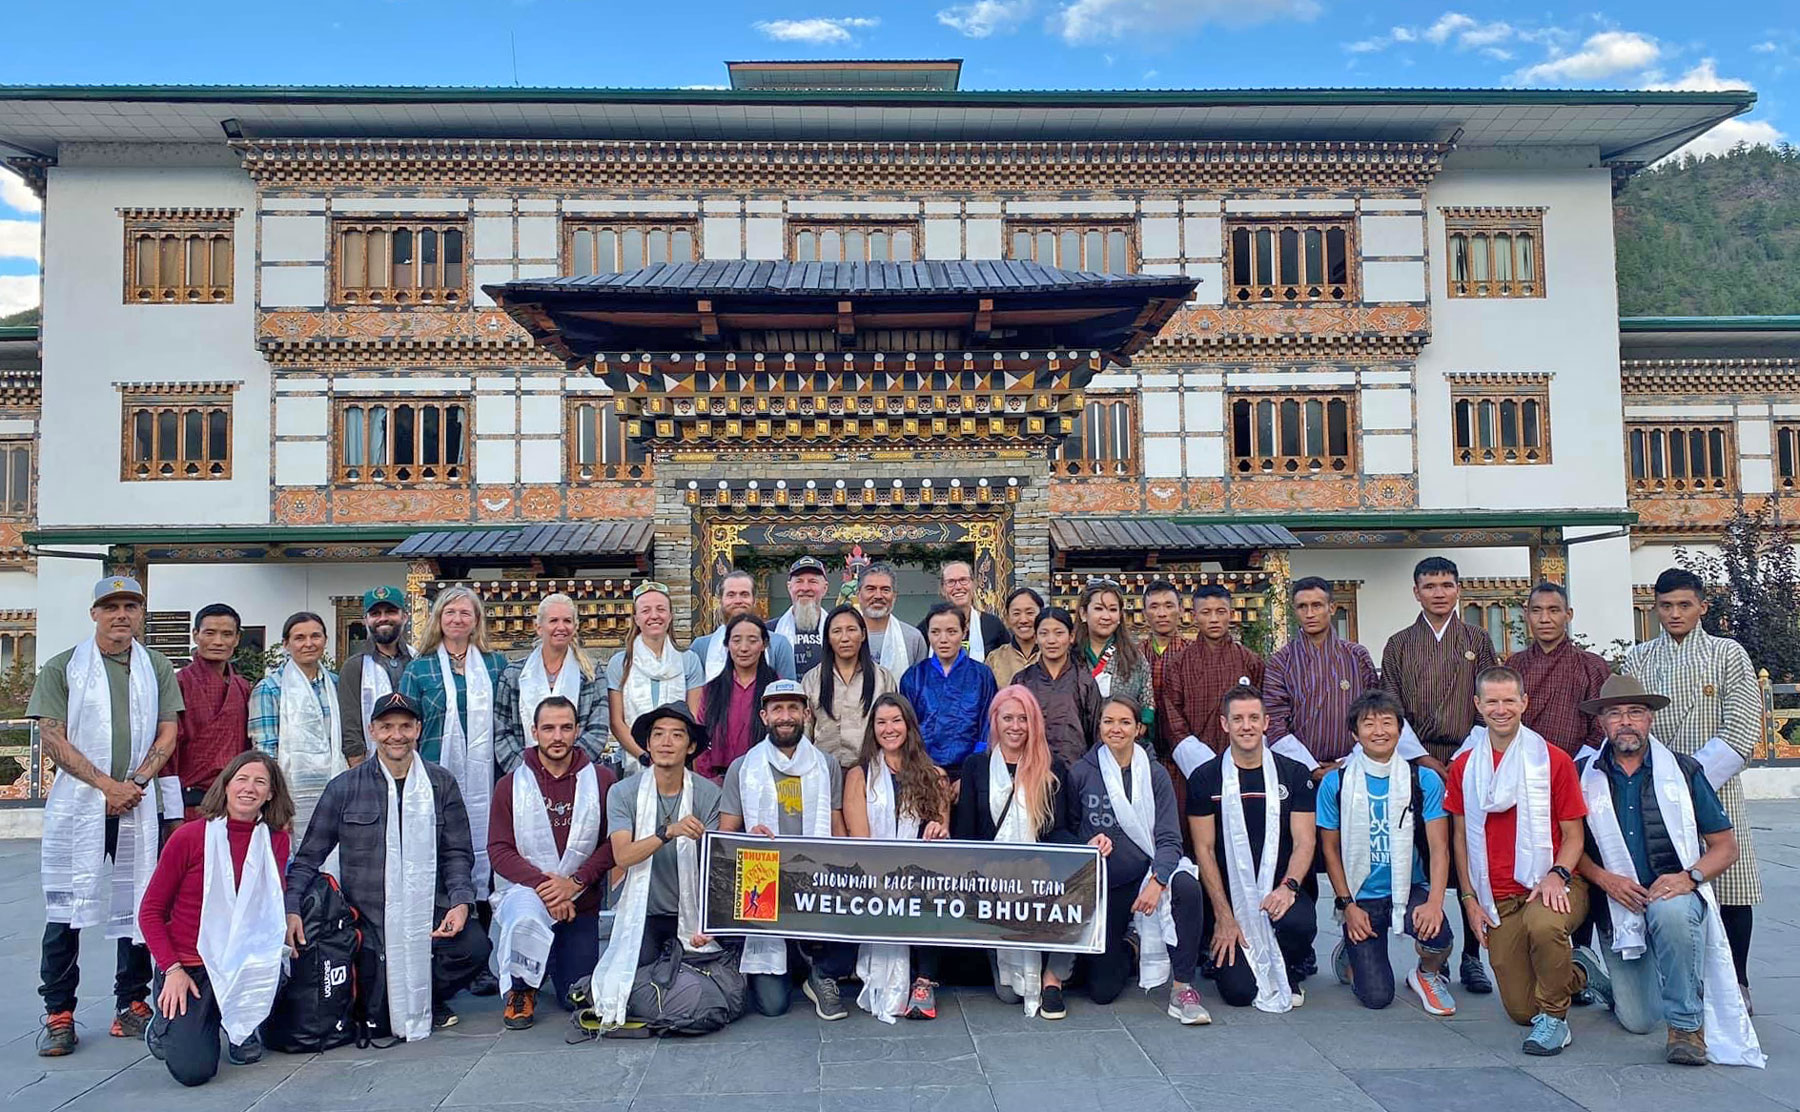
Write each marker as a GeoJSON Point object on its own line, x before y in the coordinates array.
{"type": "Point", "coordinates": [937, 893]}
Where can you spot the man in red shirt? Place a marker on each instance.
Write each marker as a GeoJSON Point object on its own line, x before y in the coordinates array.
{"type": "Point", "coordinates": [1518, 839]}
{"type": "Point", "coordinates": [214, 727]}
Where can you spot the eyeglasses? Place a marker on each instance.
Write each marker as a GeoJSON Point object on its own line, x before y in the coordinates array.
{"type": "Point", "coordinates": [646, 587]}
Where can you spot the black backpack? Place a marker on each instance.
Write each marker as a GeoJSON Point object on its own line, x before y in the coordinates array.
{"type": "Point", "coordinates": [685, 993]}
{"type": "Point", "coordinates": [316, 1007]}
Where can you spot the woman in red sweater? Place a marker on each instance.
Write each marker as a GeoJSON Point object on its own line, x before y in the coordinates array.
{"type": "Point", "coordinates": [218, 946]}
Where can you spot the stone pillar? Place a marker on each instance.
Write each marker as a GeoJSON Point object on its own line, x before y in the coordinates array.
{"type": "Point", "coordinates": [673, 554]}
{"type": "Point", "coordinates": [1281, 583]}
{"type": "Point", "coordinates": [1031, 530]}
{"type": "Point", "coordinates": [1550, 559]}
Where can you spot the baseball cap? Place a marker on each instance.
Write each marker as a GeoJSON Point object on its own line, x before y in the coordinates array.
{"type": "Point", "coordinates": [394, 703]}
{"type": "Point", "coordinates": [785, 689]}
{"type": "Point", "coordinates": [805, 563]}
{"type": "Point", "coordinates": [114, 585]}
{"type": "Point", "coordinates": [378, 596]}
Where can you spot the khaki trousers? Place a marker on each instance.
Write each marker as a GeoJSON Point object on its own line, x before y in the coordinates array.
{"type": "Point", "coordinates": [1534, 966]}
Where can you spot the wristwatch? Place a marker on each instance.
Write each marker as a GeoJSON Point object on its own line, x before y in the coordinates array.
{"type": "Point", "coordinates": [141, 780]}
{"type": "Point", "coordinates": [663, 833]}
{"type": "Point", "coordinates": [1561, 872]}
{"type": "Point", "coordinates": [1291, 885]}
{"type": "Point", "coordinates": [1695, 875]}
{"type": "Point", "coordinates": [1341, 902]}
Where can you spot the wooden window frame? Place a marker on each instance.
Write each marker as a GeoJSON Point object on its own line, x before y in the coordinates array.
{"type": "Point", "coordinates": [1720, 439]}
{"type": "Point", "coordinates": [389, 295]}
{"type": "Point", "coordinates": [1787, 457]}
{"type": "Point", "coordinates": [1464, 228]}
{"type": "Point", "coordinates": [381, 474]}
{"type": "Point", "coordinates": [17, 628]}
{"type": "Point", "coordinates": [1259, 463]}
{"type": "Point", "coordinates": [574, 227]}
{"type": "Point", "coordinates": [1081, 229]}
{"type": "Point", "coordinates": [1481, 408]}
{"type": "Point", "coordinates": [8, 446]}
{"type": "Point", "coordinates": [1502, 600]}
{"type": "Point", "coordinates": [1343, 606]}
{"type": "Point", "coordinates": [1644, 623]}
{"type": "Point", "coordinates": [1301, 291]}
{"type": "Point", "coordinates": [201, 239]}
{"type": "Point", "coordinates": [203, 401]}
{"type": "Point", "coordinates": [864, 225]}
{"type": "Point", "coordinates": [579, 471]}
{"type": "Point", "coordinates": [1115, 465]}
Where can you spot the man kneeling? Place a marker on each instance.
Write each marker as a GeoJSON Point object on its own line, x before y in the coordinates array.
{"type": "Point", "coordinates": [549, 861]}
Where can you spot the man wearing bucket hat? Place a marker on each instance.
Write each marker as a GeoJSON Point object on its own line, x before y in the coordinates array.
{"type": "Point", "coordinates": [1657, 837]}
{"type": "Point", "coordinates": [785, 787]}
{"type": "Point", "coordinates": [376, 670]}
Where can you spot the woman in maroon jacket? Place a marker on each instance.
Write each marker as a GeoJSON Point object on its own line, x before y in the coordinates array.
{"type": "Point", "coordinates": [218, 954]}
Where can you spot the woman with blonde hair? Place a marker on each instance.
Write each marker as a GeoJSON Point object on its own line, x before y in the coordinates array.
{"type": "Point", "coordinates": [557, 665]}
{"type": "Point", "coordinates": [1107, 646]}
{"type": "Point", "coordinates": [651, 669]}
{"type": "Point", "coordinates": [1012, 792]}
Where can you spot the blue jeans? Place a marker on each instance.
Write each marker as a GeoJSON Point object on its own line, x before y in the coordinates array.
{"type": "Point", "coordinates": [1371, 973]}
{"type": "Point", "coordinates": [1664, 983]}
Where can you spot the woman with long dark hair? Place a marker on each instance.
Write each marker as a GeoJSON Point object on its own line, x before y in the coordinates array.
{"type": "Point", "coordinates": [1107, 645]}
{"type": "Point", "coordinates": [1065, 691]}
{"type": "Point", "coordinates": [732, 700]}
{"type": "Point", "coordinates": [843, 687]}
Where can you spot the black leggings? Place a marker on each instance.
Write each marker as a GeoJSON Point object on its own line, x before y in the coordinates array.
{"type": "Point", "coordinates": [190, 1041]}
{"type": "Point", "coordinates": [1108, 973]}
{"type": "Point", "coordinates": [1738, 920]}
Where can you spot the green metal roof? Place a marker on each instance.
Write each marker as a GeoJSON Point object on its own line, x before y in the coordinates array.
{"type": "Point", "coordinates": [1423, 519]}
{"type": "Point", "coordinates": [19, 332]}
{"type": "Point", "coordinates": [225, 534]}
{"type": "Point", "coordinates": [1786, 323]}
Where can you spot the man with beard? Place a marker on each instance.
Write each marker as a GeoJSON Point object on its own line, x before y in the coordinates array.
{"type": "Point", "coordinates": [376, 670]}
{"type": "Point", "coordinates": [894, 645]}
{"type": "Point", "coordinates": [981, 631]}
{"type": "Point", "coordinates": [737, 595]}
{"type": "Point", "coordinates": [804, 623]}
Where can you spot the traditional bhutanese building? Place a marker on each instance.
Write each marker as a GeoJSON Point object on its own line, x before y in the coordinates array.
{"type": "Point", "coordinates": [299, 341]}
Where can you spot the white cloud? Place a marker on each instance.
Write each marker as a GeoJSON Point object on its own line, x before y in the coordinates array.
{"type": "Point", "coordinates": [17, 292]}
{"type": "Point", "coordinates": [1726, 136]}
{"type": "Point", "coordinates": [1451, 29]}
{"type": "Point", "coordinates": [1448, 24]}
{"type": "Point", "coordinates": [1703, 78]}
{"type": "Point", "coordinates": [820, 31]}
{"type": "Point", "coordinates": [19, 239]}
{"type": "Point", "coordinates": [1765, 48]}
{"type": "Point", "coordinates": [985, 17]}
{"type": "Point", "coordinates": [1090, 21]}
{"type": "Point", "coordinates": [1602, 55]}
{"type": "Point", "coordinates": [15, 194]}
{"type": "Point", "coordinates": [1382, 42]}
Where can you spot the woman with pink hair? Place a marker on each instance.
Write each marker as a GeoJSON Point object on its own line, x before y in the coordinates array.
{"type": "Point", "coordinates": [1012, 792]}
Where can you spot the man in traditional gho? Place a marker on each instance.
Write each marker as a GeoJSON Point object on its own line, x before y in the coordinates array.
{"type": "Point", "coordinates": [737, 595]}
{"type": "Point", "coordinates": [1312, 681]}
{"type": "Point", "coordinates": [214, 724]}
{"type": "Point", "coordinates": [375, 670]}
{"type": "Point", "coordinates": [1559, 674]}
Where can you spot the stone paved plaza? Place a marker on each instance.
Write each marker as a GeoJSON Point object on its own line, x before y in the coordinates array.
{"type": "Point", "coordinates": [978, 1055]}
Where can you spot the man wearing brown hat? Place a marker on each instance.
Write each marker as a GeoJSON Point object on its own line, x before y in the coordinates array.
{"type": "Point", "coordinates": [1657, 837]}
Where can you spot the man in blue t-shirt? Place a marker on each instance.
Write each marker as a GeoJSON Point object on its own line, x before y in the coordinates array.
{"type": "Point", "coordinates": [1358, 831]}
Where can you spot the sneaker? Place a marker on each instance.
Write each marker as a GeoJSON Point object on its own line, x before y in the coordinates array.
{"type": "Point", "coordinates": [1185, 1007]}
{"type": "Point", "coordinates": [823, 992]}
{"type": "Point", "coordinates": [1474, 975]}
{"type": "Point", "coordinates": [1051, 1005]}
{"type": "Point", "coordinates": [1433, 991]}
{"type": "Point", "coordinates": [1548, 1036]}
{"type": "Point", "coordinates": [1599, 984]}
{"type": "Point", "coordinates": [153, 1036]}
{"type": "Point", "coordinates": [1584, 999]}
{"type": "Point", "coordinates": [521, 1004]}
{"type": "Point", "coordinates": [1296, 994]}
{"type": "Point", "coordinates": [1340, 963]}
{"type": "Point", "coordinates": [58, 1036]}
{"type": "Point", "coordinates": [442, 1016]}
{"type": "Point", "coordinates": [1686, 1048]}
{"type": "Point", "coordinates": [484, 984]}
{"type": "Point", "coordinates": [922, 1004]}
{"type": "Point", "coordinates": [245, 1053]}
{"type": "Point", "coordinates": [130, 1021]}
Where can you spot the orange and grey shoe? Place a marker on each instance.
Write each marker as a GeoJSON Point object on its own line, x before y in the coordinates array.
{"type": "Point", "coordinates": [130, 1021]}
{"type": "Point", "coordinates": [58, 1036]}
{"type": "Point", "coordinates": [922, 1004]}
{"type": "Point", "coordinates": [521, 1009]}
{"type": "Point", "coordinates": [1433, 991]}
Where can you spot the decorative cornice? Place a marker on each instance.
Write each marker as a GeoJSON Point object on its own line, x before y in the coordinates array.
{"type": "Point", "coordinates": [1708, 376]}
{"type": "Point", "coordinates": [1479, 379]}
{"type": "Point", "coordinates": [438, 354]}
{"type": "Point", "coordinates": [177, 389]}
{"type": "Point", "coordinates": [16, 617]}
{"type": "Point", "coordinates": [1492, 212]}
{"type": "Point", "coordinates": [1355, 347]}
{"type": "Point", "coordinates": [35, 170]}
{"type": "Point", "coordinates": [850, 494]}
{"type": "Point", "coordinates": [798, 169]}
{"type": "Point", "coordinates": [181, 215]}
{"type": "Point", "coordinates": [21, 389]}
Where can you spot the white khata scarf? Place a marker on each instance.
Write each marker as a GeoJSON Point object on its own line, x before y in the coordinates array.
{"type": "Point", "coordinates": [309, 741]}
{"type": "Point", "coordinates": [81, 886]}
{"type": "Point", "coordinates": [1020, 970]}
{"type": "Point", "coordinates": [647, 687]}
{"type": "Point", "coordinates": [895, 656]}
{"type": "Point", "coordinates": [1521, 780]}
{"type": "Point", "coordinates": [243, 928]}
{"type": "Point", "coordinates": [523, 927]}
{"type": "Point", "coordinates": [762, 808]}
{"type": "Point", "coordinates": [1136, 815]}
{"type": "Point", "coordinates": [375, 684]}
{"type": "Point", "coordinates": [1730, 1037]}
{"type": "Point", "coordinates": [1356, 827]}
{"type": "Point", "coordinates": [885, 969]}
{"type": "Point", "coordinates": [1252, 883]}
{"type": "Point", "coordinates": [409, 906]}
{"type": "Point", "coordinates": [470, 757]}
{"type": "Point", "coordinates": [977, 647]}
{"type": "Point", "coordinates": [717, 655]}
{"type": "Point", "coordinates": [535, 687]}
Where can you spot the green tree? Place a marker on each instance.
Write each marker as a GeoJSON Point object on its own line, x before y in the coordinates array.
{"type": "Point", "coordinates": [1754, 591]}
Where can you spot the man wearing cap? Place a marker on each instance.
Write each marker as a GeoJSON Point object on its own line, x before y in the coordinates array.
{"type": "Point", "coordinates": [1657, 836]}
{"type": "Point", "coordinates": [804, 623]}
{"type": "Point", "coordinates": [432, 946]}
{"type": "Point", "coordinates": [737, 595]}
{"type": "Point", "coordinates": [106, 712]}
{"type": "Point", "coordinates": [785, 787]}
{"type": "Point", "coordinates": [656, 819]}
{"type": "Point", "coordinates": [376, 669]}
{"type": "Point", "coordinates": [982, 631]}
{"type": "Point", "coordinates": [549, 861]}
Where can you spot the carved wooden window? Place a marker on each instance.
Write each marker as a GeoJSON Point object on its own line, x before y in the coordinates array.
{"type": "Point", "coordinates": [1289, 261]}
{"type": "Point", "coordinates": [1644, 623]}
{"type": "Point", "coordinates": [614, 246]}
{"type": "Point", "coordinates": [1681, 458]}
{"type": "Point", "coordinates": [404, 440]}
{"type": "Point", "coordinates": [1495, 252]}
{"type": "Point", "coordinates": [18, 640]}
{"type": "Point", "coordinates": [1497, 607]}
{"type": "Point", "coordinates": [599, 447]}
{"type": "Point", "coordinates": [1501, 422]}
{"type": "Point", "coordinates": [17, 488]}
{"type": "Point", "coordinates": [1787, 457]}
{"type": "Point", "coordinates": [178, 256]}
{"type": "Point", "coordinates": [894, 241]}
{"type": "Point", "coordinates": [400, 262]}
{"type": "Point", "coordinates": [176, 436]}
{"type": "Point", "coordinates": [1292, 434]}
{"type": "Point", "coordinates": [1105, 440]}
{"type": "Point", "coordinates": [1106, 248]}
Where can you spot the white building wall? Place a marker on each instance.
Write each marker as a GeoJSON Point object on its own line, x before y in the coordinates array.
{"type": "Point", "coordinates": [266, 594]}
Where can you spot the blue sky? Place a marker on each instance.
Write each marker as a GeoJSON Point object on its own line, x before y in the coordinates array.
{"type": "Point", "coordinates": [1006, 44]}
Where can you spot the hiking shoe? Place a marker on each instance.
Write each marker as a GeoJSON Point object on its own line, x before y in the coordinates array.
{"type": "Point", "coordinates": [484, 984]}
{"type": "Point", "coordinates": [58, 1036]}
{"type": "Point", "coordinates": [1686, 1048]}
{"type": "Point", "coordinates": [1548, 1036]}
{"type": "Point", "coordinates": [521, 1006]}
{"type": "Point", "coordinates": [1185, 1007]}
{"type": "Point", "coordinates": [1296, 992]}
{"type": "Point", "coordinates": [1051, 1005]}
{"type": "Point", "coordinates": [1433, 991]}
{"type": "Point", "coordinates": [248, 1052]}
{"type": "Point", "coordinates": [922, 1004]}
{"type": "Point", "coordinates": [443, 1016]}
{"type": "Point", "coordinates": [153, 1036]}
{"type": "Point", "coordinates": [1599, 984]}
{"type": "Point", "coordinates": [823, 992]}
{"type": "Point", "coordinates": [1340, 963]}
{"type": "Point", "coordinates": [1474, 976]}
{"type": "Point", "coordinates": [130, 1021]}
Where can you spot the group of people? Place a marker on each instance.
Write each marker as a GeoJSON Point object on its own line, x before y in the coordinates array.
{"type": "Point", "coordinates": [1218, 786]}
